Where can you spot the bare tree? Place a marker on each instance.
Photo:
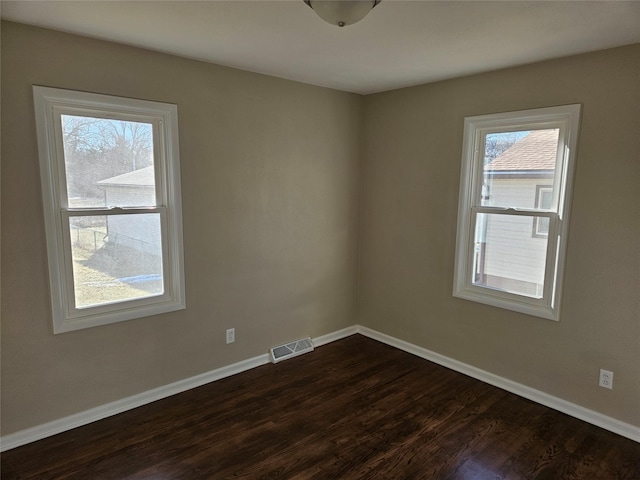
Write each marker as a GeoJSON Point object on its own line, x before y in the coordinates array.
{"type": "Point", "coordinates": [97, 149]}
{"type": "Point", "coordinates": [128, 144]}
{"type": "Point", "coordinates": [498, 143]}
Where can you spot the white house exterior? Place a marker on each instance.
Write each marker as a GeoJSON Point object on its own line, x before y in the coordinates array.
{"type": "Point", "coordinates": [141, 231]}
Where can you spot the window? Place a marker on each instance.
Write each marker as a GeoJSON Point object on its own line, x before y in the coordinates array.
{"type": "Point", "coordinates": [517, 171]}
{"type": "Point", "coordinates": [111, 191]}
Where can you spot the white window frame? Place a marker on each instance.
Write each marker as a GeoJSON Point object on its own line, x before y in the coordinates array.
{"type": "Point", "coordinates": [50, 104]}
{"type": "Point", "coordinates": [540, 191]}
{"type": "Point", "coordinates": [566, 118]}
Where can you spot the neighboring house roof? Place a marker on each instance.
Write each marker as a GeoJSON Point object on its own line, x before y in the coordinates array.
{"type": "Point", "coordinates": [537, 151]}
{"type": "Point", "coordinates": [145, 177]}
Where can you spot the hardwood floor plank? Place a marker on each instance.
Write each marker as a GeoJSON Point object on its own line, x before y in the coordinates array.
{"type": "Point", "coordinates": [352, 409]}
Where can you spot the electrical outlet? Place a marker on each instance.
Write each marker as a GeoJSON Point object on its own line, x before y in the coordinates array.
{"type": "Point", "coordinates": [606, 379]}
{"type": "Point", "coordinates": [231, 335]}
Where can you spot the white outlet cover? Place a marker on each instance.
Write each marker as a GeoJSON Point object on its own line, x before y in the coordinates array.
{"type": "Point", "coordinates": [231, 335]}
{"type": "Point", "coordinates": [606, 379]}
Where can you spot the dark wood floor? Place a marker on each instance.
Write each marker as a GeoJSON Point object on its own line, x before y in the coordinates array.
{"type": "Point", "coordinates": [353, 409]}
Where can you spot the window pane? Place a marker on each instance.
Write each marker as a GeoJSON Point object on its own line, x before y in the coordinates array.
{"type": "Point", "coordinates": [514, 163]}
{"type": "Point", "coordinates": [116, 258]}
{"type": "Point", "coordinates": [507, 257]}
{"type": "Point", "coordinates": [108, 162]}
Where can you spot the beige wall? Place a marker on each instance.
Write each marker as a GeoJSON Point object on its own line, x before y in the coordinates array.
{"type": "Point", "coordinates": [270, 193]}
{"type": "Point", "coordinates": [411, 175]}
{"type": "Point", "coordinates": [271, 179]}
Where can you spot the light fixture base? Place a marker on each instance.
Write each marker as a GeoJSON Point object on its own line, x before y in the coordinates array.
{"type": "Point", "coordinates": [342, 12]}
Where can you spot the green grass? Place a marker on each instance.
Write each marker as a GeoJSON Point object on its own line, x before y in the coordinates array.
{"type": "Point", "coordinates": [98, 264]}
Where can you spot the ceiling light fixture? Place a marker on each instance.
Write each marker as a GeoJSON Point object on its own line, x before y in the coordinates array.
{"type": "Point", "coordinates": [342, 12]}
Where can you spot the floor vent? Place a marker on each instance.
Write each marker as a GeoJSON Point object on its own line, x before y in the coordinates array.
{"type": "Point", "coordinates": [293, 349]}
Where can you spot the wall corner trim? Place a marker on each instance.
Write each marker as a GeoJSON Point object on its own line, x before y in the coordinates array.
{"type": "Point", "coordinates": [603, 421]}
{"type": "Point", "coordinates": [54, 427]}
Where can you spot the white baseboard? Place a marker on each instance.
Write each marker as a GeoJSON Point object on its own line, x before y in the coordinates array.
{"type": "Point", "coordinates": [39, 432]}
{"type": "Point", "coordinates": [45, 430]}
{"type": "Point", "coordinates": [616, 426]}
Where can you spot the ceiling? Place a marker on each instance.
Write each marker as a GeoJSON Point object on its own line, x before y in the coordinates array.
{"type": "Point", "coordinates": [399, 44]}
